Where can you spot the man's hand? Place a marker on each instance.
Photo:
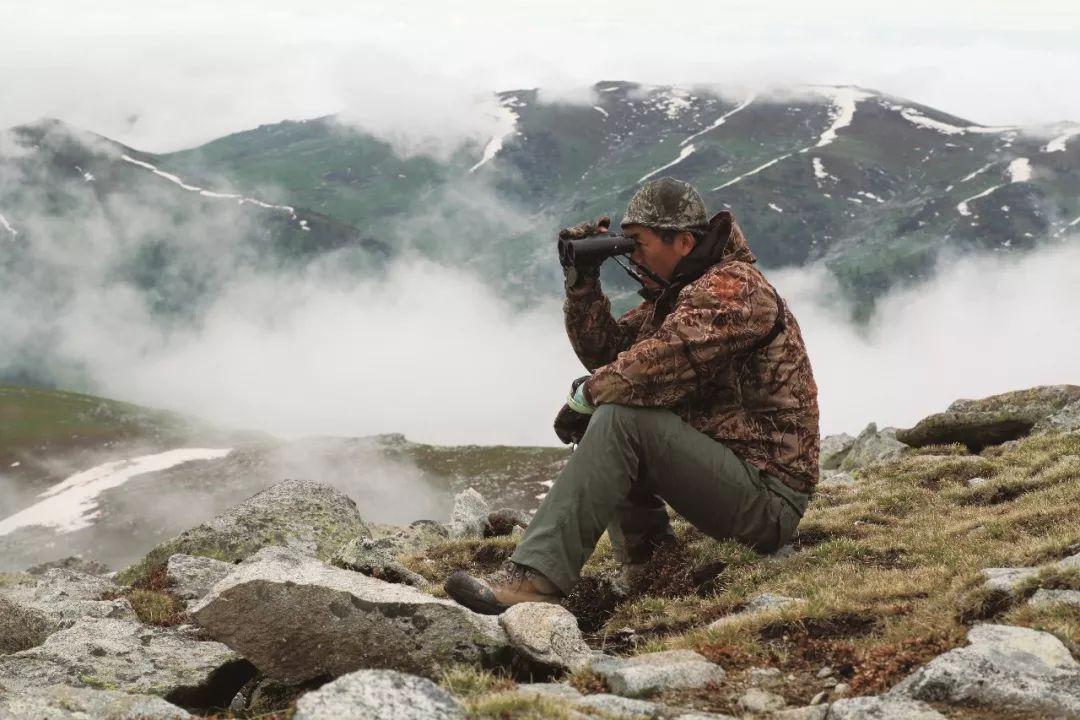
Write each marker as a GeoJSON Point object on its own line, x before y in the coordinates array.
{"type": "Point", "coordinates": [574, 275]}
{"type": "Point", "coordinates": [570, 425]}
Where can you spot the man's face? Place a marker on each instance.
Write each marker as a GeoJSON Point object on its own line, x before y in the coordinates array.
{"type": "Point", "coordinates": [651, 251]}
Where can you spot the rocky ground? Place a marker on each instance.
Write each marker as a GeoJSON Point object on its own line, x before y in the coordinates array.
{"type": "Point", "coordinates": [936, 574]}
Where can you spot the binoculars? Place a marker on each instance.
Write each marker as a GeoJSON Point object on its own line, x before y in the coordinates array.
{"type": "Point", "coordinates": [583, 252]}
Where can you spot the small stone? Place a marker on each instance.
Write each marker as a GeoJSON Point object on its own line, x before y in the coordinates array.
{"type": "Point", "coordinates": [1045, 598]}
{"type": "Point", "coordinates": [617, 705]}
{"type": "Point", "coordinates": [830, 682]}
{"type": "Point", "coordinates": [976, 482]}
{"type": "Point", "coordinates": [1007, 580]}
{"type": "Point", "coordinates": [766, 677]}
{"type": "Point", "coordinates": [672, 669]}
{"type": "Point", "coordinates": [756, 700]}
{"type": "Point", "coordinates": [561, 691]}
{"type": "Point", "coordinates": [379, 694]}
{"type": "Point", "coordinates": [824, 672]}
{"type": "Point", "coordinates": [885, 707]}
{"type": "Point", "coordinates": [819, 698]}
{"type": "Point", "coordinates": [546, 633]}
{"type": "Point", "coordinates": [841, 690]}
{"type": "Point", "coordinates": [765, 602]}
{"type": "Point", "coordinates": [811, 712]}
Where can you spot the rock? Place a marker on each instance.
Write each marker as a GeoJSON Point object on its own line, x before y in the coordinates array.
{"type": "Point", "coordinates": [836, 478]}
{"type": "Point", "coordinates": [72, 562]}
{"type": "Point", "coordinates": [819, 698]}
{"type": "Point", "coordinates": [503, 522]}
{"type": "Point", "coordinates": [1069, 563]}
{"type": "Point", "coordinates": [297, 618]}
{"type": "Point", "coordinates": [841, 690]}
{"type": "Point", "coordinates": [766, 677]}
{"type": "Point", "coordinates": [824, 673]}
{"type": "Point", "coordinates": [312, 517]}
{"type": "Point", "coordinates": [617, 705]}
{"type": "Point", "coordinates": [1003, 667]}
{"type": "Point", "coordinates": [560, 691]}
{"type": "Point", "coordinates": [1007, 580]}
{"type": "Point", "coordinates": [813, 712]}
{"type": "Point", "coordinates": [192, 576]}
{"type": "Point", "coordinates": [68, 703]}
{"type": "Point", "coordinates": [21, 628]}
{"type": "Point", "coordinates": [547, 634]}
{"type": "Point", "coordinates": [379, 695]}
{"type": "Point", "coordinates": [872, 446]}
{"type": "Point", "coordinates": [369, 557]}
{"type": "Point", "coordinates": [672, 669]}
{"type": "Point", "coordinates": [992, 420]}
{"type": "Point", "coordinates": [1044, 598]}
{"type": "Point", "coordinates": [411, 540]}
{"type": "Point", "coordinates": [1067, 419]}
{"type": "Point", "coordinates": [118, 655]}
{"type": "Point", "coordinates": [67, 596]}
{"type": "Point", "coordinates": [834, 448]}
{"type": "Point", "coordinates": [468, 519]}
{"type": "Point", "coordinates": [766, 602]}
{"type": "Point", "coordinates": [976, 482]}
{"type": "Point", "coordinates": [759, 702]}
{"type": "Point", "coordinates": [882, 708]}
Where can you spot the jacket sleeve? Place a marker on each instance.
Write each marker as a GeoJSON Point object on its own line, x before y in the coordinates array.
{"type": "Point", "coordinates": [594, 334]}
{"type": "Point", "coordinates": [714, 320]}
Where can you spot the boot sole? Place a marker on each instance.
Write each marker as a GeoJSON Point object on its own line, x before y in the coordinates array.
{"type": "Point", "coordinates": [472, 593]}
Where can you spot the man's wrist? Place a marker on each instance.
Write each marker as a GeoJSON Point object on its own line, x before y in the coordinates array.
{"type": "Point", "coordinates": [578, 403]}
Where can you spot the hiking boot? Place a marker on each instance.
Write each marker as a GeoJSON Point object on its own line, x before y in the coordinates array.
{"type": "Point", "coordinates": [520, 584]}
{"type": "Point", "coordinates": [632, 576]}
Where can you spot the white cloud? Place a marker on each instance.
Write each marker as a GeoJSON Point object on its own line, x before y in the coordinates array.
{"type": "Point", "coordinates": [176, 74]}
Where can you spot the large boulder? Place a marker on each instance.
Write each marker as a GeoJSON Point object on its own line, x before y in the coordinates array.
{"type": "Point", "coordinates": [872, 446]}
{"type": "Point", "coordinates": [309, 516]}
{"type": "Point", "coordinates": [297, 618]}
{"type": "Point", "coordinates": [21, 628]}
{"type": "Point", "coordinates": [1004, 667]}
{"type": "Point", "coordinates": [373, 557]}
{"type": "Point", "coordinates": [834, 448]}
{"type": "Point", "coordinates": [59, 702]}
{"type": "Point", "coordinates": [996, 419]}
{"type": "Point", "coordinates": [67, 596]}
{"type": "Point", "coordinates": [468, 519]}
{"type": "Point", "coordinates": [1067, 419]}
{"type": "Point", "coordinates": [379, 695]}
{"type": "Point", "coordinates": [118, 655]}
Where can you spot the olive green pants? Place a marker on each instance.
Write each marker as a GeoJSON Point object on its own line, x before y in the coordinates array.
{"type": "Point", "coordinates": [631, 461]}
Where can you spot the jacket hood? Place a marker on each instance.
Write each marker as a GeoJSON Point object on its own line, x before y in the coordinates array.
{"type": "Point", "coordinates": [723, 242]}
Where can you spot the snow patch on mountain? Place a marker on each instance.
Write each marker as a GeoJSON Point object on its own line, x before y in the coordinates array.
{"type": "Point", "coordinates": [210, 194]}
{"type": "Point", "coordinates": [683, 154]}
{"type": "Point", "coordinates": [820, 173]}
{"type": "Point", "coordinates": [776, 208]}
{"type": "Point", "coordinates": [1058, 143]}
{"type": "Point", "coordinates": [721, 120]}
{"type": "Point", "coordinates": [494, 145]}
{"type": "Point", "coordinates": [72, 504]}
{"type": "Point", "coordinates": [973, 175]}
{"type": "Point", "coordinates": [1020, 170]}
{"type": "Point", "coordinates": [963, 208]}
{"type": "Point", "coordinates": [7, 226]}
{"type": "Point", "coordinates": [600, 110]}
{"type": "Point", "coordinates": [845, 100]}
{"type": "Point", "coordinates": [755, 171]}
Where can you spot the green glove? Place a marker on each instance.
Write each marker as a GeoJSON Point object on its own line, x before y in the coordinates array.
{"type": "Point", "coordinates": [576, 399]}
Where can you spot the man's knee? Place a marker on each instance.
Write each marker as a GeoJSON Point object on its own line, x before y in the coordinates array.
{"type": "Point", "coordinates": [615, 416]}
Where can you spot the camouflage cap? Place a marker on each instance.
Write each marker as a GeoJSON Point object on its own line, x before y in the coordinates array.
{"type": "Point", "coordinates": [666, 204]}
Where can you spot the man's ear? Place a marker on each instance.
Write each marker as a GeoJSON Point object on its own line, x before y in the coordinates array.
{"type": "Point", "coordinates": [685, 243]}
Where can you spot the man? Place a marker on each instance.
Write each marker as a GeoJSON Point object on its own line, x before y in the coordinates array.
{"type": "Point", "coordinates": [701, 398]}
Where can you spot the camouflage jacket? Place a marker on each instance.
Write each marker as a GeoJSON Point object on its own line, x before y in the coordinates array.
{"type": "Point", "coordinates": [702, 349]}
